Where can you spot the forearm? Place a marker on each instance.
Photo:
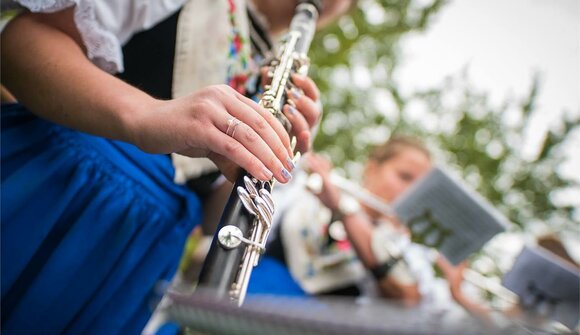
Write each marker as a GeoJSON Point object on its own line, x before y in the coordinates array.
{"type": "Point", "coordinates": [46, 69]}
{"type": "Point", "coordinates": [359, 230]}
{"type": "Point", "coordinates": [470, 306]}
{"type": "Point", "coordinates": [391, 288]}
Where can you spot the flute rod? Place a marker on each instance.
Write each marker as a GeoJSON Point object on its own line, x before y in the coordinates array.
{"type": "Point", "coordinates": [362, 195]}
{"type": "Point", "coordinates": [379, 205]}
{"type": "Point", "coordinates": [490, 286]}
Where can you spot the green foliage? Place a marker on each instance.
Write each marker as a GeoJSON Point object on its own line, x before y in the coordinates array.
{"type": "Point", "coordinates": [355, 64]}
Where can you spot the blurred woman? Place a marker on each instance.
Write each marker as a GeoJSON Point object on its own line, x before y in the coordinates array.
{"type": "Point", "coordinates": [330, 243]}
{"type": "Point", "coordinates": [326, 239]}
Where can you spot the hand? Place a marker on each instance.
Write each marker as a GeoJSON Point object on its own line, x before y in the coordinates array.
{"type": "Point", "coordinates": [453, 274]}
{"type": "Point", "coordinates": [302, 110]}
{"type": "Point", "coordinates": [196, 126]}
{"type": "Point", "coordinates": [330, 194]}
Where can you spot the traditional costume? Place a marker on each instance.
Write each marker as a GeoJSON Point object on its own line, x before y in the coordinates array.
{"type": "Point", "coordinates": [91, 226]}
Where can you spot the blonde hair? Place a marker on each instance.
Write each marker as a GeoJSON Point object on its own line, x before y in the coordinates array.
{"type": "Point", "coordinates": [394, 146]}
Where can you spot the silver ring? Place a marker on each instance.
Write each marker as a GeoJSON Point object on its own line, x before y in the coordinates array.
{"type": "Point", "coordinates": [232, 124]}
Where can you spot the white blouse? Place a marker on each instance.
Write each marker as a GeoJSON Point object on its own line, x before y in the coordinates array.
{"type": "Point", "coordinates": [105, 25]}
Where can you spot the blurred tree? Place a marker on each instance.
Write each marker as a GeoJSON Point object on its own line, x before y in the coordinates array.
{"type": "Point", "coordinates": [355, 66]}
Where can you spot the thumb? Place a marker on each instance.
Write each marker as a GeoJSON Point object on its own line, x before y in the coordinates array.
{"type": "Point", "coordinates": [228, 168]}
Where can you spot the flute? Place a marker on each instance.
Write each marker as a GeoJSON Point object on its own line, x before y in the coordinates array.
{"type": "Point", "coordinates": [247, 218]}
{"type": "Point", "coordinates": [314, 183]}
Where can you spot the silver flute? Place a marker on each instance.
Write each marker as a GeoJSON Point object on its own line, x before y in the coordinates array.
{"type": "Point", "coordinates": [247, 218]}
{"type": "Point", "coordinates": [363, 196]}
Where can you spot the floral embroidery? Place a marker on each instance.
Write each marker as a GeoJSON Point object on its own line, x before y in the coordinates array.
{"type": "Point", "coordinates": [238, 72]}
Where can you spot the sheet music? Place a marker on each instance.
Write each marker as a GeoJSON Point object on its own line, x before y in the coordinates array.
{"type": "Point", "coordinates": [443, 213]}
{"type": "Point", "coordinates": [546, 284]}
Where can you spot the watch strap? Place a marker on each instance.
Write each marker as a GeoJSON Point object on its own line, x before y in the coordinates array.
{"type": "Point", "coordinates": [382, 270]}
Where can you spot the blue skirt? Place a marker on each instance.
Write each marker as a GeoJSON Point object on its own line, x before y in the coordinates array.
{"type": "Point", "coordinates": [89, 226]}
{"type": "Point", "coordinates": [271, 277]}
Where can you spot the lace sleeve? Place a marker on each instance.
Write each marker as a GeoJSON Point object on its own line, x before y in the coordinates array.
{"type": "Point", "coordinates": [103, 47]}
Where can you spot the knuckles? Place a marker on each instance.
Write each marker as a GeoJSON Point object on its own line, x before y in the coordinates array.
{"type": "Point", "coordinates": [260, 124]}
{"type": "Point", "coordinates": [231, 147]}
{"type": "Point", "coordinates": [249, 135]}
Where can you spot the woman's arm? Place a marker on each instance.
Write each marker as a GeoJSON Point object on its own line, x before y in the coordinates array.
{"type": "Point", "coordinates": [44, 66]}
{"type": "Point", "coordinates": [360, 231]}
{"type": "Point", "coordinates": [454, 276]}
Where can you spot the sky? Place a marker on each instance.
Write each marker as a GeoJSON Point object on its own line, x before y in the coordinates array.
{"type": "Point", "coordinates": [503, 43]}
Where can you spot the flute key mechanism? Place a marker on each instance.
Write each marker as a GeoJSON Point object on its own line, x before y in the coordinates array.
{"type": "Point", "coordinates": [247, 218]}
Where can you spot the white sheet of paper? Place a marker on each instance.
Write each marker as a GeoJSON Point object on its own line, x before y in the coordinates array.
{"type": "Point", "coordinates": [445, 214]}
{"type": "Point", "coordinates": [546, 284]}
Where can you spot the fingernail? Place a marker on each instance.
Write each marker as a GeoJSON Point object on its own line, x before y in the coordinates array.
{"type": "Point", "coordinates": [295, 94]}
{"type": "Point", "coordinates": [287, 176]}
{"type": "Point", "coordinates": [291, 109]}
{"type": "Point", "coordinates": [291, 163]}
{"type": "Point", "coordinates": [267, 173]}
{"type": "Point", "coordinates": [296, 76]}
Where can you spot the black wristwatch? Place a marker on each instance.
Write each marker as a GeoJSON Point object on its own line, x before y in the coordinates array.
{"type": "Point", "coordinates": [382, 270]}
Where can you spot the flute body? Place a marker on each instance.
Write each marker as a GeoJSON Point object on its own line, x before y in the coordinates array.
{"type": "Point", "coordinates": [243, 230]}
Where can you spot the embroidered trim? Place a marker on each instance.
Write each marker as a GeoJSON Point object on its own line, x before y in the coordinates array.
{"type": "Point", "coordinates": [238, 60]}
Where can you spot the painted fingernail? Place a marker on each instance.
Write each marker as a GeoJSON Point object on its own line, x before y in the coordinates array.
{"type": "Point", "coordinates": [291, 163]}
{"type": "Point", "coordinates": [291, 109]}
{"type": "Point", "coordinates": [287, 176]}
{"type": "Point", "coordinates": [295, 94]}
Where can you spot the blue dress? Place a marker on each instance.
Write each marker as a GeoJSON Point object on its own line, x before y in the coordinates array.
{"type": "Point", "coordinates": [271, 277]}
{"type": "Point", "coordinates": [89, 226]}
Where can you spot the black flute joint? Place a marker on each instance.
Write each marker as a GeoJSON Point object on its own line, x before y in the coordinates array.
{"type": "Point", "coordinates": [243, 230]}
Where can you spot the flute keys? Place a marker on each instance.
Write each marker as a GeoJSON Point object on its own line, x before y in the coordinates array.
{"type": "Point", "coordinates": [268, 199]}
{"type": "Point", "coordinates": [251, 187]}
{"type": "Point", "coordinates": [230, 237]}
{"type": "Point", "coordinates": [264, 212]}
{"type": "Point", "coordinates": [247, 201]}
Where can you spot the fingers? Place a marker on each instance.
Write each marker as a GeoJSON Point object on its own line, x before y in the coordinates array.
{"type": "Point", "coordinates": [319, 165]}
{"type": "Point", "coordinates": [307, 85]}
{"type": "Point", "coordinates": [247, 149]}
{"type": "Point", "coordinates": [303, 113]}
{"type": "Point", "coordinates": [260, 133]}
{"type": "Point", "coordinates": [307, 107]}
{"type": "Point", "coordinates": [231, 126]}
{"type": "Point", "coordinates": [256, 135]}
{"type": "Point", "coordinates": [264, 75]}
{"type": "Point", "coordinates": [275, 158]}
{"type": "Point", "coordinates": [228, 168]}
{"type": "Point", "coordinates": [255, 118]}
{"type": "Point", "coordinates": [300, 127]}
{"type": "Point", "coordinates": [322, 161]}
